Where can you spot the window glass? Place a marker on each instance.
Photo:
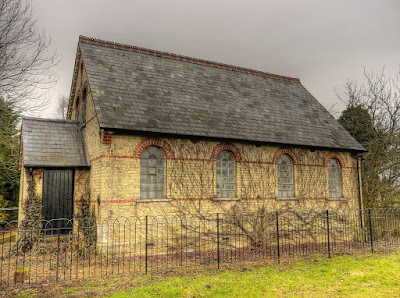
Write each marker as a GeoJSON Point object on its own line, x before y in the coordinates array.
{"type": "Point", "coordinates": [152, 173]}
{"type": "Point", "coordinates": [285, 176]}
{"type": "Point", "coordinates": [225, 175]}
{"type": "Point", "coordinates": [334, 179]}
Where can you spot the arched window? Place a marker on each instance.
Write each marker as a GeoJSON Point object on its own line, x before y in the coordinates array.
{"type": "Point", "coordinates": [334, 179]}
{"type": "Point", "coordinates": [285, 176]}
{"type": "Point", "coordinates": [77, 107]}
{"type": "Point", "coordinates": [152, 173]}
{"type": "Point", "coordinates": [226, 175]}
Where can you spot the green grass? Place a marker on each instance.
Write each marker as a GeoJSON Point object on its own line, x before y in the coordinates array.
{"type": "Point", "coordinates": [355, 276]}
{"type": "Point", "coordinates": [343, 276]}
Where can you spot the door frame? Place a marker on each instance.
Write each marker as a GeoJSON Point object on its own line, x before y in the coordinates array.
{"type": "Point", "coordinates": [59, 225]}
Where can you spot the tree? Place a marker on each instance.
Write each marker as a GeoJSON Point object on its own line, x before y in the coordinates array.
{"type": "Point", "coordinates": [359, 123]}
{"type": "Point", "coordinates": [372, 116]}
{"type": "Point", "coordinates": [26, 60]}
{"type": "Point", "coordinates": [9, 148]}
{"type": "Point", "coordinates": [62, 107]}
{"type": "Point", "coordinates": [26, 72]}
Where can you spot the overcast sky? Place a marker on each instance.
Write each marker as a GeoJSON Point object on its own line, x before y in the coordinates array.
{"type": "Point", "coordinates": [324, 43]}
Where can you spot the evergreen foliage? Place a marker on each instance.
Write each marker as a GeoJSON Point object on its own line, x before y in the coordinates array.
{"type": "Point", "coordinates": [9, 148]}
{"type": "Point", "coordinates": [372, 117]}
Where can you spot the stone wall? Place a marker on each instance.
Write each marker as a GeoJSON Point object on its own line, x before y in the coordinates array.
{"type": "Point", "coordinates": [26, 178]}
{"type": "Point", "coordinates": [190, 177]}
{"type": "Point", "coordinates": [91, 131]}
{"type": "Point", "coordinates": [81, 188]}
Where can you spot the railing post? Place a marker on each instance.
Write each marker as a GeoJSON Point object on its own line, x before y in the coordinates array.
{"type": "Point", "coordinates": [218, 260]}
{"type": "Point", "coordinates": [182, 243]}
{"type": "Point", "coordinates": [277, 237]}
{"type": "Point", "coordinates": [147, 226]}
{"type": "Point", "coordinates": [328, 233]}
{"type": "Point", "coordinates": [58, 251]}
{"type": "Point", "coordinates": [370, 230]}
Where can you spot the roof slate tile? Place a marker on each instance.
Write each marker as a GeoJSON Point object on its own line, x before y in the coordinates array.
{"type": "Point", "coordinates": [145, 92]}
{"type": "Point", "coordinates": [52, 143]}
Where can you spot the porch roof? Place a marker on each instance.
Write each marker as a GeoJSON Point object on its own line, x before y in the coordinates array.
{"type": "Point", "coordinates": [52, 143]}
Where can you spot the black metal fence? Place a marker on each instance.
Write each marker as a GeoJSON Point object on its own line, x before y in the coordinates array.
{"type": "Point", "coordinates": [61, 249]}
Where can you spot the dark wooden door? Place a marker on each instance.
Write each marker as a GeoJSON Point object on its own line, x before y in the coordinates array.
{"type": "Point", "coordinates": [58, 200]}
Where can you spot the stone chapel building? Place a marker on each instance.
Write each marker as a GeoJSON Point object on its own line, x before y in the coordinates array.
{"type": "Point", "coordinates": [147, 129]}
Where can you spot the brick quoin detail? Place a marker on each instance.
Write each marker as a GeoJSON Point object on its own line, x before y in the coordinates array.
{"type": "Point", "coordinates": [338, 157]}
{"type": "Point", "coordinates": [289, 152]}
{"type": "Point", "coordinates": [107, 136]}
{"type": "Point", "coordinates": [169, 153]}
{"type": "Point", "coordinates": [225, 146]}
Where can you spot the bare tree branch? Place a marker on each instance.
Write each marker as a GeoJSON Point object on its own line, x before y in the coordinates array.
{"type": "Point", "coordinates": [26, 59]}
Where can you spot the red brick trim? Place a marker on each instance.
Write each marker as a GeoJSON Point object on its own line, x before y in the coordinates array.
{"type": "Point", "coordinates": [210, 160]}
{"type": "Point", "coordinates": [97, 158]}
{"type": "Point", "coordinates": [198, 199]}
{"type": "Point", "coordinates": [129, 48]}
{"type": "Point", "coordinates": [106, 136]}
{"type": "Point", "coordinates": [338, 157]}
{"type": "Point", "coordinates": [296, 199]}
{"type": "Point", "coordinates": [114, 201]}
{"type": "Point", "coordinates": [169, 153]}
{"type": "Point", "coordinates": [87, 122]}
{"type": "Point", "coordinates": [257, 162]}
{"type": "Point", "coordinates": [113, 156]}
{"type": "Point", "coordinates": [226, 146]}
{"type": "Point", "coordinates": [287, 151]}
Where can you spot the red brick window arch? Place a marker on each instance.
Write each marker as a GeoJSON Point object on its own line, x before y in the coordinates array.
{"type": "Point", "coordinates": [334, 178]}
{"type": "Point", "coordinates": [225, 174]}
{"type": "Point", "coordinates": [285, 176]}
{"type": "Point", "coordinates": [152, 165]}
{"type": "Point", "coordinates": [144, 143]}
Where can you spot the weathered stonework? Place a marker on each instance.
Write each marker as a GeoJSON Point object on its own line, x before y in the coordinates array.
{"type": "Point", "coordinates": [190, 175]}
{"type": "Point", "coordinates": [114, 177]}
{"type": "Point", "coordinates": [111, 186]}
{"type": "Point", "coordinates": [190, 165]}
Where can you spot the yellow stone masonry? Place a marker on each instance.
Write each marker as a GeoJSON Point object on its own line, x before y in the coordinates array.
{"type": "Point", "coordinates": [114, 177]}
{"type": "Point", "coordinates": [190, 172]}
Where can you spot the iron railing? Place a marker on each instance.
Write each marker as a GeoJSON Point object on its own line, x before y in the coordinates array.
{"type": "Point", "coordinates": [62, 249]}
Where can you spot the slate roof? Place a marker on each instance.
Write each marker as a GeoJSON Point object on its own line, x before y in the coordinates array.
{"type": "Point", "coordinates": [52, 143]}
{"type": "Point", "coordinates": [148, 91]}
